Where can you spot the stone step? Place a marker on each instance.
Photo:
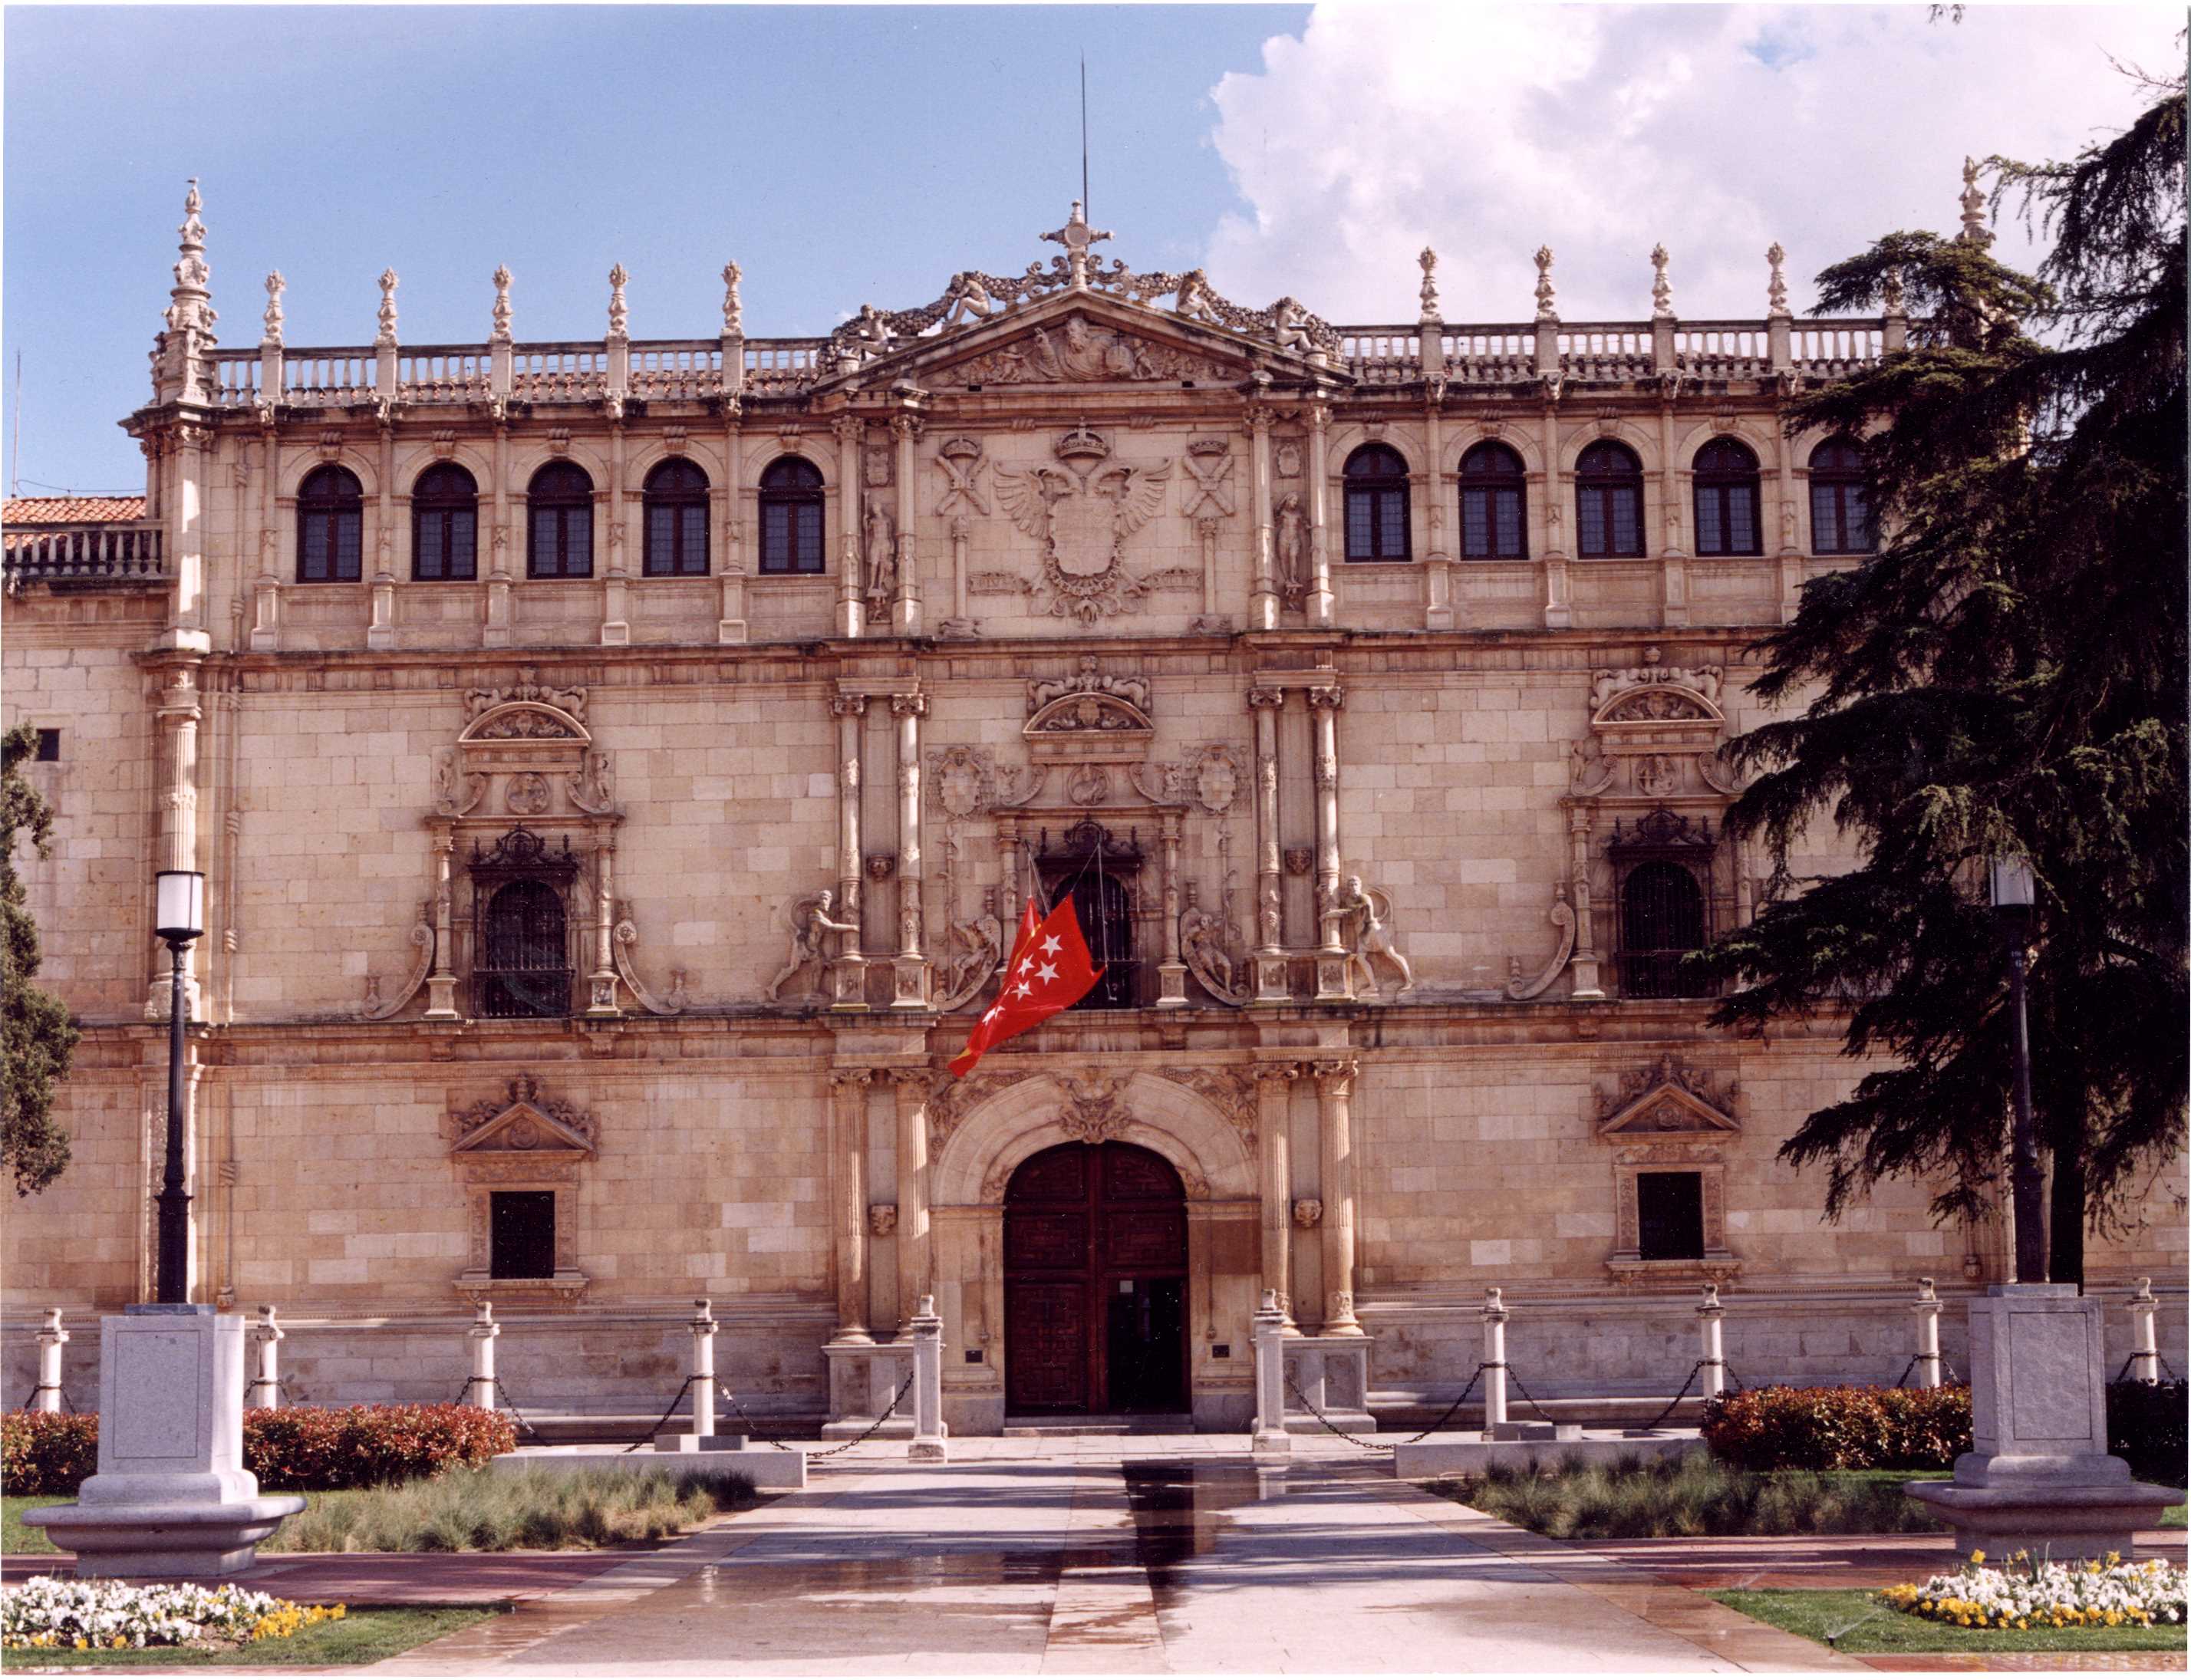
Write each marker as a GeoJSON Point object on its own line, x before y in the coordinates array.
{"type": "Point", "coordinates": [1131, 1423]}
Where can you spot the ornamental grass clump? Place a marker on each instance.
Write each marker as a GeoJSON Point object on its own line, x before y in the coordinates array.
{"type": "Point", "coordinates": [44, 1614]}
{"type": "Point", "coordinates": [534, 1509]}
{"type": "Point", "coordinates": [2024, 1593]}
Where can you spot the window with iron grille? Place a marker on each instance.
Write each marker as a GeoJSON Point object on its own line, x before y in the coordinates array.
{"type": "Point", "coordinates": [1840, 502]}
{"type": "Point", "coordinates": [1376, 480]}
{"type": "Point", "coordinates": [445, 525]}
{"type": "Point", "coordinates": [559, 514]}
{"type": "Point", "coordinates": [1096, 868]}
{"type": "Point", "coordinates": [522, 1234]}
{"type": "Point", "coordinates": [1492, 504]}
{"type": "Point", "coordinates": [676, 506]}
{"type": "Point", "coordinates": [1726, 478]}
{"type": "Point", "coordinates": [520, 937]}
{"type": "Point", "coordinates": [330, 527]}
{"type": "Point", "coordinates": [791, 503]}
{"type": "Point", "coordinates": [1662, 921]}
{"type": "Point", "coordinates": [1669, 1216]}
{"type": "Point", "coordinates": [1609, 502]}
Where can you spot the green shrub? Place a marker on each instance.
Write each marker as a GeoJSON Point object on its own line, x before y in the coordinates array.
{"type": "Point", "coordinates": [2146, 1425]}
{"type": "Point", "coordinates": [287, 1447]}
{"type": "Point", "coordinates": [1845, 1428]}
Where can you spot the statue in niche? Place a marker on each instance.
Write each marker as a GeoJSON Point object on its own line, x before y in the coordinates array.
{"type": "Point", "coordinates": [881, 558]}
{"type": "Point", "coordinates": [1206, 941]}
{"type": "Point", "coordinates": [1293, 549]}
{"type": "Point", "coordinates": [980, 944]}
{"type": "Point", "coordinates": [811, 924]}
{"type": "Point", "coordinates": [1372, 913]}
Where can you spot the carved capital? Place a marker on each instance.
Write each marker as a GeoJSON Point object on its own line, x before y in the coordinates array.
{"type": "Point", "coordinates": [849, 1079]}
{"type": "Point", "coordinates": [1336, 1077]}
{"type": "Point", "coordinates": [1265, 700]}
{"type": "Point", "coordinates": [908, 705]}
{"type": "Point", "coordinates": [1280, 1074]}
{"type": "Point", "coordinates": [1330, 698]}
{"type": "Point", "coordinates": [849, 705]}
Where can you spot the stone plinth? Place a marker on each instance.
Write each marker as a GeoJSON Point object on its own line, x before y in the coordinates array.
{"type": "Point", "coordinates": [1331, 1374]}
{"type": "Point", "coordinates": [2039, 1477]}
{"type": "Point", "coordinates": [171, 1496]}
{"type": "Point", "coordinates": [864, 1377]}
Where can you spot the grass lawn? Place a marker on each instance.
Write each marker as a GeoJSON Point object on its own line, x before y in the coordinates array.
{"type": "Point", "coordinates": [1860, 1623]}
{"type": "Point", "coordinates": [361, 1637]}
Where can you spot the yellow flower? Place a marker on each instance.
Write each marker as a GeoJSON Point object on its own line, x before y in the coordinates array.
{"type": "Point", "coordinates": [1977, 1557]}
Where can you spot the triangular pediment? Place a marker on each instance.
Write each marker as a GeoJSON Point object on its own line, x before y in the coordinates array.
{"type": "Point", "coordinates": [525, 1123]}
{"type": "Point", "coordinates": [1668, 1098]}
{"type": "Point", "coordinates": [1080, 339]}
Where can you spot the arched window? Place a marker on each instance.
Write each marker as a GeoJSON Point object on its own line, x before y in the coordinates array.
{"type": "Point", "coordinates": [1841, 503]}
{"type": "Point", "coordinates": [1608, 501]}
{"type": "Point", "coordinates": [1376, 480]}
{"type": "Point", "coordinates": [525, 967]}
{"type": "Point", "coordinates": [444, 525]}
{"type": "Point", "coordinates": [676, 521]}
{"type": "Point", "coordinates": [791, 516]}
{"type": "Point", "coordinates": [559, 514]}
{"type": "Point", "coordinates": [1726, 499]}
{"type": "Point", "coordinates": [1491, 505]}
{"type": "Point", "coordinates": [1662, 919]}
{"type": "Point", "coordinates": [330, 527]}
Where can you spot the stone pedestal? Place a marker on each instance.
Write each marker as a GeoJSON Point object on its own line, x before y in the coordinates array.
{"type": "Point", "coordinates": [2039, 1477]}
{"type": "Point", "coordinates": [863, 1378]}
{"type": "Point", "coordinates": [928, 1443]}
{"type": "Point", "coordinates": [171, 1496]}
{"type": "Point", "coordinates": [1332, 1373]}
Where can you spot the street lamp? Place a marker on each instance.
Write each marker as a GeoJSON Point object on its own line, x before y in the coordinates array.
{"type": "Point", "coordinates": [2013, 890]}
{"type": "Point", "coordinates": [179, 918]}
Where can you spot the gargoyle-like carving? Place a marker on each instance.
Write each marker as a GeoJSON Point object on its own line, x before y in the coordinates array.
{"type": "Point", "coordinates": [1094, 1112]}
{"type": "Point", "coordinates": [1308, 1213]}
{"type": "Point", "coordinates": [377, 1008]}
{"type": "Point", "coordinates": [1562, 916]}
{"type": "Point", "coordinates": [627, 938]}
{"type": "Point", "coordinates": [811, 923]}
{"type": "Point", "coordinates": [1371, 913]}
{"type": "Point", "coordinates": [882, 1218]}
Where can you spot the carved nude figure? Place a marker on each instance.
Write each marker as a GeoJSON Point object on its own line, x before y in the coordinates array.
{"type": "Point", "coordinates": [1372, 935]}
{"type": "Point", "coordinates": [968, 296]}
{"type": "Point", "coordinates": [810, 921]}
{"type": "Point", "coordinates": [881, 558]}
{"type": "Point", "coordinates": [1293, 548]}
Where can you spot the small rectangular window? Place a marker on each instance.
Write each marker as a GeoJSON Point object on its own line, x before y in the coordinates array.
{"type": "Point", "coordinates": [49, 746]}
{"type": "Point", "coordinates": [1669, 1216]}
{"type": "Point", "coordinates": [521, 1232]}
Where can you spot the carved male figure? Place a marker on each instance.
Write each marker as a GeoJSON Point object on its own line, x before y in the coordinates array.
{"type": "Point", "coordinates": [881, 558]}
{"type": "Point", "coordinates": [1293, 548]}
{"type": "Point", "coordinates": [1372, 937]}
{"type": "Point", "coordinates": [810, 921]}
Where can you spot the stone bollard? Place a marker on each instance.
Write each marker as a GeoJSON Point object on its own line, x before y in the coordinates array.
{"type": "Point", "coordinates": [2145, 1352]}
{"type": "Point", "coordinates": [704, 1369]}
{"type": "Point", "coordinates": [1709, 1314]}
{"type": "Point", "coordinates": [1495, 1363]}
{"type": "Point", "coordinates": [1928, 1309]}
{"type": "Point", "coordinates": [266, 1387]}
{"type": "Point", "coordinates": [52, 1338]}
{"type": "Point", "coordinates": [1270, 1434]}
{"type": "Point", "coordinates": [480, 1390]}
{"type": "Point", "coordinates": [928, 1430]}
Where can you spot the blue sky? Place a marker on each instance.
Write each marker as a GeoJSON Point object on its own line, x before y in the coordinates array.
{"type": "Point", "coordinates": [845, 155]}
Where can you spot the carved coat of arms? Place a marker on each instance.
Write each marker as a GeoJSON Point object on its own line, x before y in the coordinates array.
{"type": "Point", "coordinates": [1082, 511]}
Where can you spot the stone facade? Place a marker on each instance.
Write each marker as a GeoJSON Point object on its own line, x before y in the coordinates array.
{"type": "Point", "coordinates": [1084, 558]}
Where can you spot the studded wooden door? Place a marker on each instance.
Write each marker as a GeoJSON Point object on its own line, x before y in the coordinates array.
{"type": "Point", "coordinates": [1095, 1281]}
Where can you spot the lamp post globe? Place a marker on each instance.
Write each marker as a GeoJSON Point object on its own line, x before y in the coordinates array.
{"type": "Point", "coordinates": [2014, 893]}
{"type": "Point", "coordinates": [178, 918]}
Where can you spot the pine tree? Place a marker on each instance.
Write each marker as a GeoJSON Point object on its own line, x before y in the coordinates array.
{"type": "Point", "coordinates": [36, 1040]}
{"type": "Point", "coordinates": [2007, 674]}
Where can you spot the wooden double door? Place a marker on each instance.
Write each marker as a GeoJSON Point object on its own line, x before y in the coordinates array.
{"type": "Point", "coordinates": [1096, 1283]}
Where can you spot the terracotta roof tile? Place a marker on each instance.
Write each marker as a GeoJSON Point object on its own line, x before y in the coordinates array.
{"type": "Point", "coordinates": [17, 510]}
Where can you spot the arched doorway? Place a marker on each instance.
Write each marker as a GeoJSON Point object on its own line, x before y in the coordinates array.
{"type": "Point", "coordinates": [1095, 1281]}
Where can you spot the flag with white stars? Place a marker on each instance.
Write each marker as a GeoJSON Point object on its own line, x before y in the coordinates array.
{"type": "Point", "coordinates": [1049, 970]}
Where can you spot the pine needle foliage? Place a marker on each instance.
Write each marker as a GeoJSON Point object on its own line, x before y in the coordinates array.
{"type": "Point", "coordinates": [36, 1038]}
{"type": "Point", "coordinates": [2007, 674]}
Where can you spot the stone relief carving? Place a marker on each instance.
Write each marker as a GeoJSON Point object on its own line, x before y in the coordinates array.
{"type": "Point", "coordinates": [811, 923]}
{"type": "Point", "coordinates": [1094, 1112]}
{"type": "Point", "coordinates": [968, 781]}
{"type": "Point", "coordinates": [1210, 945]}
{"type": "Point", "coordinates": [955, 1099]}
{"type": "Point", "coordinates": [1289, 458]}
{"type": "Point", "coordinates": [960, 461]}
{"type": "Point", "coordinates": [1079, 354]}
{"type": "Point", "coordinates": [1717, 773]}
{"type": "Point", "coordinates": [1656, 773]}
{"type": "Point", "coordinates": [978, 947]}
{"type": "Point", "coordinates": [1082, 516]}
{"type": "Point", "coordinates": [523, 1119]}
{"type": "Point", "coordinates": [593, 789]}
{"type": "Point", "coordinates": [882, 1219]}
{"type": "Point", "coordinates": [1291, 542]}
{"type": "Point", "coordinates": [1308, 1213]}
{"type": "Point", "coordinates": [525, 793]}
{"type": "Point", "coordinates": [1090, 679]}
{"type": "Point", "coordinates": [1230, 1091]}
{"type": "Point", "coordinates": [1371, 913]}
{"type": "Point", "coordinates": [1667, 1095]}
{"type": "Point", "coordinates": [421, 937]}
{"type": "Point", "coordinates": [1298, 859]}
{"type": "Point", "coordinates": [1208, 490]}
{"type": "Point", "coordinates": [624, 941]}
{"type": "Point", "coordinates": [1589, 771]}
{"type": "Point", "coordinates": [1562, 916]}
{"type": "Point", "coordinates": [478, 702]}
{"type": "Point", "coordinates": [455, 791]}
{"type": "Point", "coordinates": [1656, 706]}
{"type": "Point", "coordinates": [880, 558]}
{"type": "Point", "coordinates": [1087, 785]}
{"type": "Point", "coordinates": [1704, 680]}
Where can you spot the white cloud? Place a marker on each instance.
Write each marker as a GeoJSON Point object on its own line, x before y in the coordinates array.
{"type": "Point", "coordinates": [1488, 131]}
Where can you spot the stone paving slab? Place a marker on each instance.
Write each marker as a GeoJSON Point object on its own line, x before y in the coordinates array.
{"type": "Point", "coordinates": [396, 1577]}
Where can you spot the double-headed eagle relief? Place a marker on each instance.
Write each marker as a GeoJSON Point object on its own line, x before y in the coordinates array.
{"type": "Point", "coordinates": [1082, 511]}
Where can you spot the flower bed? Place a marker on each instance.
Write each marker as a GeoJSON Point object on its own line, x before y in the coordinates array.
{"type": "Point", "coordinates": [2024, 1594]}
{"type": "Point", "coordinates": [44, 1614]}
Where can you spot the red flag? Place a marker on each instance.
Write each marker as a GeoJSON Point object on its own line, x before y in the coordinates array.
{"type": "Point", "coordinates": [1050, 970]}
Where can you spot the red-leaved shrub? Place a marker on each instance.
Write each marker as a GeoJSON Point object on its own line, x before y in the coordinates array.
{"type": "Point", "coordinates": [289, 1448]}
{"type": "Point", "coordinates": [1847, 1428]}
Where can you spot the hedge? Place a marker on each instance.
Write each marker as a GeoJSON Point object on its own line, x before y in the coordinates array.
{"type": "Point", "coordinates": [289, 1448]}
{"type": "Point", "coordinates": [2146, 1425]}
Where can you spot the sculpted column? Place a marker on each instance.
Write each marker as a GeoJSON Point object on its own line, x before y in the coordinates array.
{"type": "Point", "coordinates": [847, 976]}
{"type": "Point", "coordinates": [1171, 972]}
{"type": "Point", "coordinates": [1332, 983]}
{"type": "Point", "coordinates": [1274, 1085]}
{"type": "Point", "coordinates": [441, 983]}
{"type": "Point", "coordinates": [381, 632]}
{"type": "Point", "coordinates": [731, 627]}
{"type": "Point", "coordinates": [909, 987]}
{"type": "Point", "coordinates": [1263, 600]}
{"type": "Point", "coordinates": [495, 631]}
{"type": "Point", "coordinates": [905, 427]}
{"type": "Point", "coordinates": [1673, 563]}
{"type": "Point", "coordinates": [1559, 611]}
{"type": "Point", "coordinates": [851, 610]}
{"type": "Point", "coordinates": [601, 983]}
{"type": "Point", "coordinates": [848, 1173]}
{"type": "Point", "coordinates": [1272, 985]}
{"type": "Point", "coordinates": [1584, 964]}
{"type": "Point", "coordinates": [1334, 1085]}
{"type": "Point", "coordinates": [1320, 516]}
{"type": "Point", "coordinates": [176, 717]}
{"type": "Point", "coordinates": [913, 1280]}
{"type": "Point", "coordinates": [615, 629]}
{"type": "Point", "coordinates": [1438, 565]}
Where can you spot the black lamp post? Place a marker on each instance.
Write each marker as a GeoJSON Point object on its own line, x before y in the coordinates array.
{"type": "Point", "coordinates": [2013, 894]}
{"type": "Point", "coordinates": [179, 918]}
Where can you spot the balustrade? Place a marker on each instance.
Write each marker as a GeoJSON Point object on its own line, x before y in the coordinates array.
{"type": "Point", "coordinates": [84, 553]}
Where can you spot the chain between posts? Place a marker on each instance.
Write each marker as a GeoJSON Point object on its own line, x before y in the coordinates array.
{"type": "Point", "coordinates": [45, 1388]}
{"type": "Point", "coordinates": [2157, 1357]}
{"type": "Point", "coordinates": [1527, 1398]}
{"type": "Point", "coordinates": [666, 1413]}
{"type": "Point", "coordinates": [866, 1434]}
{"type": "Point", "coordinates": [495, 1382]}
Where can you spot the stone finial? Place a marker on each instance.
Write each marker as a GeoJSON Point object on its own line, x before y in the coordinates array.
{"type": "Point", "coordinates": [1662, 292]}
{"type": "Point", "coordinates": [619, 314]}
{"type": "Point", "coordinates": [1428, 261]}
{"type": "Point", "coordinates": [388, 283]}
{"type": "Point", "coordinates": [1975, 231]}
{"type": "Point", "coordinates": [1927, 1294]}
{"type": "Point", "coordinates": [275, 287]}
{"type": "Point", "coordinates": [1776, 285]}
{"type": "Point", "coordinates": [1890, 289]}
{"type": "Point", "coordinates": [1076, 236]}
{"type": "Point", "coordinates": [502, 278]}
{"type": "Point", "coordinates": [1545, 311]}
{"type": "Point", "coordinates": [734, 309]}
{"type": "Point", "coordinates": [190, 304]}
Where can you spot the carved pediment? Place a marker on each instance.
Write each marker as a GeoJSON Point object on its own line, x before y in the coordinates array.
{"type": "Point", "coordinates": [1667, 1097]}
{"type": "Point", "coordinates": [1660, 704]}
{"type": "Point", "coordinates": [524, 720]}
{"type": "Point", "coordinates": [526, 1124]}
{"type": "Point", "coordinates": [1090, 716]}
